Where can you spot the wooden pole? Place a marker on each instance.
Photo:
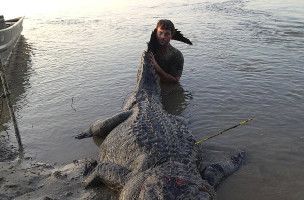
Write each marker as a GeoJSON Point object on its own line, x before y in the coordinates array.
{"type": "Point", "coordinates": [10, 106]}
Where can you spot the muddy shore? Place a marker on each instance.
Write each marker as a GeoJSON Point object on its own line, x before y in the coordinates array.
{"type": "Point", "coordinates": [28, 179]}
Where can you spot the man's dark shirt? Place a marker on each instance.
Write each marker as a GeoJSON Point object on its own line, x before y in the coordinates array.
{"type": "Point", "coordinates": [171, 61]}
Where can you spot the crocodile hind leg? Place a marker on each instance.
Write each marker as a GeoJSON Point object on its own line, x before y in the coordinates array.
{"type": "Point", "coordinates": [214, 173]}
{"type": "Point", "coordinates": [110, 174]}
{"type": "Point", "coordinates": [101, 128]}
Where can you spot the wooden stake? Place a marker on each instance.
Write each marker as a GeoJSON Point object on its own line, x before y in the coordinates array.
{"type": "Point", "coordinates": [10, 106]}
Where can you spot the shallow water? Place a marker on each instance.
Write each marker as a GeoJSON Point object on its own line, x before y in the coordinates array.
{"type": "Point", "coordinates": [78, 63]}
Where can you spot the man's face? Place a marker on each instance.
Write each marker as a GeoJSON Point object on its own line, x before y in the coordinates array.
{"type": "Point", "coordinates": [163, 36]}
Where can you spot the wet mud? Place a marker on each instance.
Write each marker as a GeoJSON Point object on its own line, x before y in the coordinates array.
{"type": "Point", "coordinates": [28, 179]}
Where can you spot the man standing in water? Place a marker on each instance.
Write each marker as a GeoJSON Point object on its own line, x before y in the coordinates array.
{"type": "Point", "coordinates": [167, 61]}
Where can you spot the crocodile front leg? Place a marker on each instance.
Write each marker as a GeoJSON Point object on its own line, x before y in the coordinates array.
{"type": "Point", "coordinates": [101, 128]}
{"type": "Point", "coordinates": [110, 174]}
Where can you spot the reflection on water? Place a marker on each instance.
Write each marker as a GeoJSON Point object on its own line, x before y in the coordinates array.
{"type": "Point", "coordinates": [174, 98]}
{"type": "Point", "coordinates": [17, 75]}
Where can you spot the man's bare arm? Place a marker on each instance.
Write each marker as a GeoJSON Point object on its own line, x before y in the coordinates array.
{"type": "Point", "coordinates": [163, 75]}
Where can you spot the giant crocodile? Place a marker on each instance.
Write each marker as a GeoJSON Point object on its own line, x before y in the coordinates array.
{"type": "Point", "coordinates": [149, 154]}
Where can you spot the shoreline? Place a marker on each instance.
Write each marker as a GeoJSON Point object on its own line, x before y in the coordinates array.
{"type": "Point", "coordinates": [28, 179]}
{"type": "Point", "coordinates": [8, 151]}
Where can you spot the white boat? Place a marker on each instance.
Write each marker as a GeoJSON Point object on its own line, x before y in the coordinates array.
{"type": "Point", "coordinates": [10, 31]}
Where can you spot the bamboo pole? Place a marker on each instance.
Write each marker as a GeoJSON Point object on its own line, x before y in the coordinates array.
{"type": "Point", "coordinates": [10, 106]}
{"type": "Point", "coordinates": [212, 136]}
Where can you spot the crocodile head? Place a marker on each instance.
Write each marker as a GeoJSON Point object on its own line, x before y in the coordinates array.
{"type": "Point", "coordinates": [177, 187]}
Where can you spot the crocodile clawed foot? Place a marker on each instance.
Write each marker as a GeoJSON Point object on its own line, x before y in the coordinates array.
{"type": "Point", "coordinates": [89, 166]}
{"type": "Point", "coordinates": [238, 158]}
{"type": "Point", "coordinates": [90, 174]}
{"type": "Point", "coordinates": [85, 134]}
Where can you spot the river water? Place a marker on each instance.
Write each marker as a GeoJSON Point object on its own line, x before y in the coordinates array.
{"type": "Point", "coordinates": [77, 62]}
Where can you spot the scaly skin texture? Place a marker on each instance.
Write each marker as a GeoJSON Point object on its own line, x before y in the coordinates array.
{"type": "Point", "coordinates": [151, 154]}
